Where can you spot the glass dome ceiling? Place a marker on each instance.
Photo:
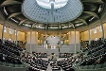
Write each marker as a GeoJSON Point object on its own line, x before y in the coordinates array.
{"type": "Point", "coordinates": [53, 11]}
{"type": "Point", "coordinates": [28, 14]}
{"type": "Point", "coordinates": [47, 3]}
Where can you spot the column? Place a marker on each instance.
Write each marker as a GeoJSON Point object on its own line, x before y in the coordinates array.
{"type": "Point", "coordinates": [30, 41]}
{"type": "Point", "coordinates": [3, 32]}
{"type": "Point", "coordinates": [59, 41]}
{"type": "Point", "coordinates": [36, 38]}
{"type": "Point", "coordinates": [72, 47]}
{"type": "Point", "coordinates": [75, 41]}
{"type": "Point", "coordinates": [89, 33]}
{"type": "Point", "coordinates": [16, 36]}
{"type": "Point", "coordinates": [31, 45]}
{"type": "Point", "coordinates": [101, 24]}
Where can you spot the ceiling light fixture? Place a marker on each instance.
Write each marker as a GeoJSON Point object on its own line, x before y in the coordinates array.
{"type": "Point", "coordinates": [47, 3]}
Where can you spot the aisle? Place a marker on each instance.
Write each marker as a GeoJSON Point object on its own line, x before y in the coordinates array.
{"type": "Point", "coordinates": [49, 68]}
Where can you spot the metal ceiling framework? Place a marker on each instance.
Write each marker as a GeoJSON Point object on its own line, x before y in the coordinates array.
{"type": "Point", "coordinates": [71, 10]}
{"type": "Point", "coordinates": [12, 9]}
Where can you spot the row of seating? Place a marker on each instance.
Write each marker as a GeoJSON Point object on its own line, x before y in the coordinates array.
{"type": "Point", "coordinates": [98, 66]}
{"type": "Point", "coordinates": [67, 64]}
{"type": "Point", "coordinates": [9, 52]}
{"type": "Point", "coordinates": [35, 64]}
{"type": "Point", "coordinates": [65, 55]}
{"type": "Point", "coordinates": [12, 54]}
{"type": "Point", "coordinates": [40, 55]}
{"type": "Point", "coordinates": [93, 44]}
{"type": "Point", "coordinates": [96, 49]}
{"type": "Point", "coordinates": [96, 53]}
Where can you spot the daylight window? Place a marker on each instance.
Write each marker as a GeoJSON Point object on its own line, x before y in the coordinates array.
{"type": "Point", "coordinates": [11, 31]}
{"type": "Point", "coordinates": [95, 31]}
{"type": "Point", "coordinates": [100, 28]}
{"type": "Point", "coordinates": [5, 29]}
{"type": "Point", "coordinates": [16, 32]}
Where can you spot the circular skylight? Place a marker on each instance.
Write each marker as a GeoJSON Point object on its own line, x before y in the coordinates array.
{"type": "Point", "coordinates": [57, 11]}
{"type": "Point", "coordinates": [48, 3]}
